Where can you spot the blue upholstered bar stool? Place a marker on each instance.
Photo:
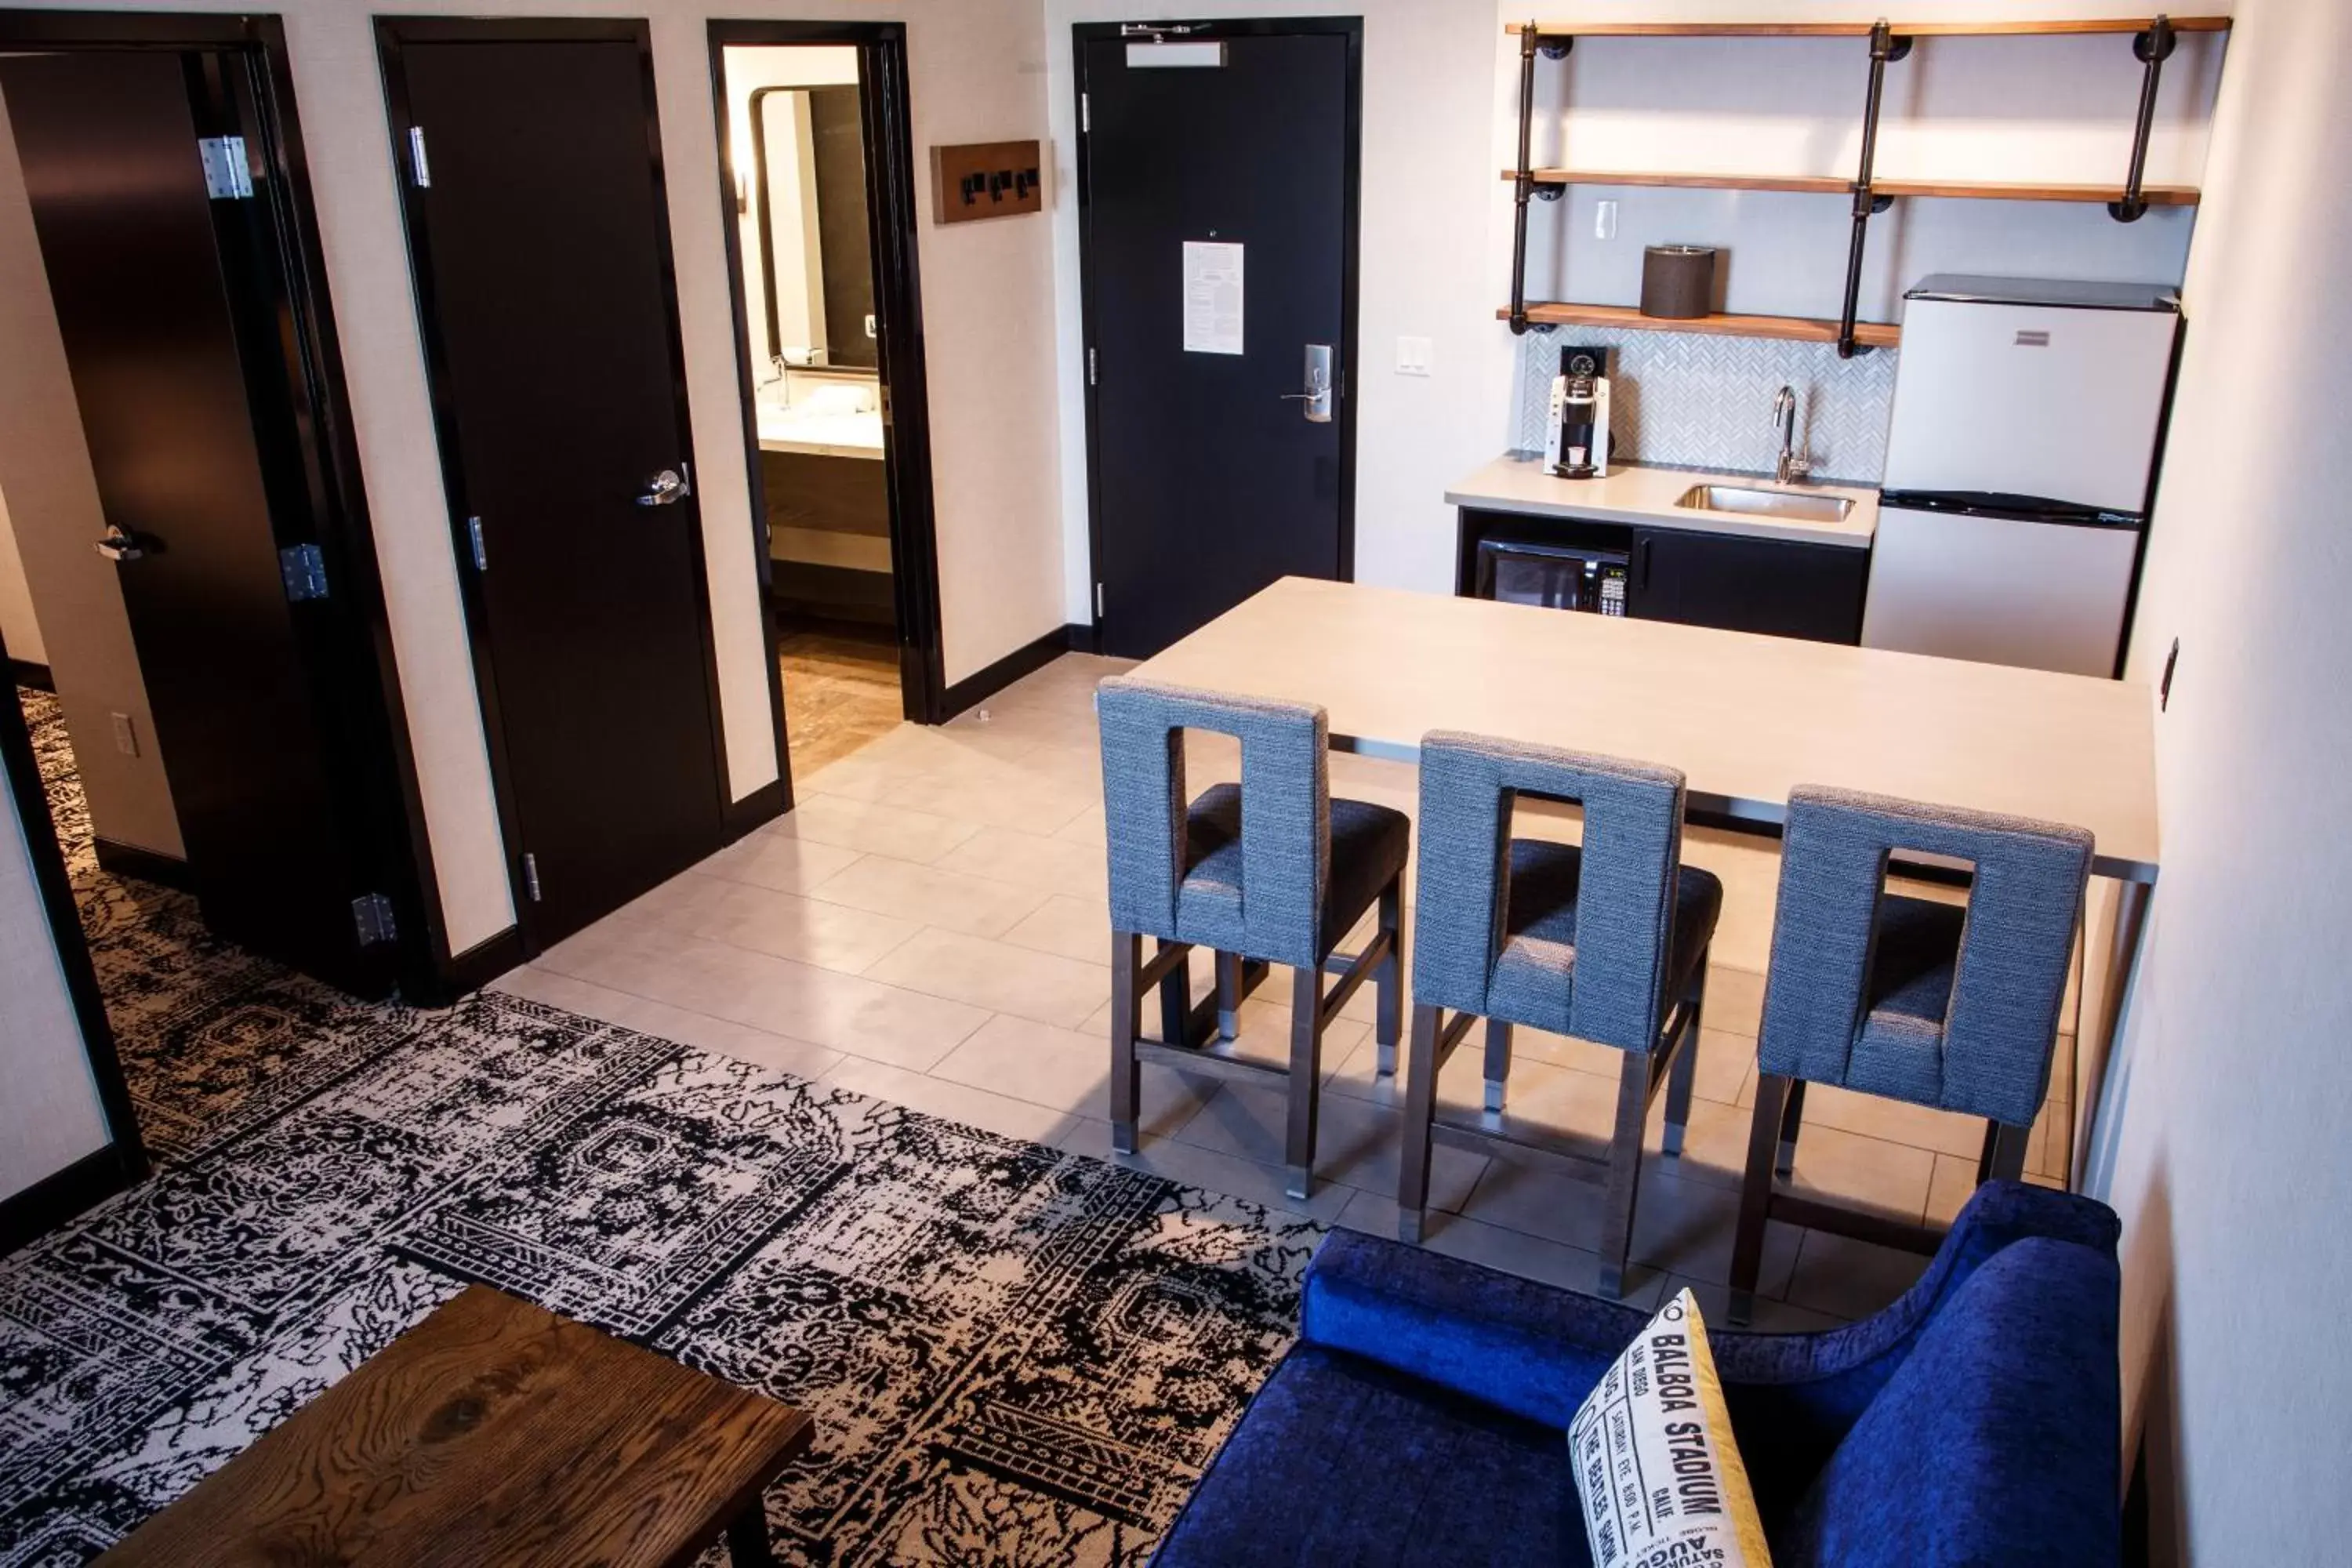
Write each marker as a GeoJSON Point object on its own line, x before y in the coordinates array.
{"type": "Point", "coordinates": [1938, 1004]}
{"type": "Point", "coordinates": [1607, 941]}
{"type": "Point", "coordinates": [1272, 871]}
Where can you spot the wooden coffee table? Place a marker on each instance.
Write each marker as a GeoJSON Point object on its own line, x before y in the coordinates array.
{"type": "Point", "coordinates": [494, 1432]}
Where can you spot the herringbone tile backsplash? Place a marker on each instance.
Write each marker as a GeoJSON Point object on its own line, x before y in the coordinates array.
{"type": "Point", "coordinates": [1693, 400]}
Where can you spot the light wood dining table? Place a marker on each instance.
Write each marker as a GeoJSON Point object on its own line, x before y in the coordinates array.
{"type": "Point", "coordinates": [1745, 718]}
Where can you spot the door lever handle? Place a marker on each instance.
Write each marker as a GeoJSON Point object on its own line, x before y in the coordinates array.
{"type": "Point", "coordinates": [119, 545]}
{"type": "Point", "coordinates": [663, 489]}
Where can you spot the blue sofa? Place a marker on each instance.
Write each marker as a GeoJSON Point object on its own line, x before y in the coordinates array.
{"type": "Point", "coordinates": [1422, 1417]}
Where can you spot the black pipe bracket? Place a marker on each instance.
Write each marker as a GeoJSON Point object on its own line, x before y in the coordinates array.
{"type": "Point", "coordinates": [2151, 48]}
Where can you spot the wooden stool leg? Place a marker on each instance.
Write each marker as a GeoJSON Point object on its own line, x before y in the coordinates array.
{"type": "Point", "coordinates": [1499, 1063]}
{"type": "Point", "coordinates": [1229, 994]}
{"type": "Point", "coordinates": [1624, 1172]}
{"type": "Point", "coordinates": [1419, 1110]}
{"type": "Point", "coordinates": [1389, 982]}
{"type": "Point", "coordinates": [1176, 1001]}
{"type": "Point", "coordinates": [1772, 1095]}
{"type": "Point", "coordinates": [1305, 1077]}
{"type": "Point", "coordinates": [1125, 1023]}
{"type": "Point", "coordinates": [1792, 1121]}
{"type": "Point", "coordinates": [1684, 1072]}
{"type": "Point", "coordinates": [748, 1542]}
{"type": "Point", "coordinates": [2004, 1152]}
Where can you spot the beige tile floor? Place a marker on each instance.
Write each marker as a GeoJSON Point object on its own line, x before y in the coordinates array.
{"type": "Point", "coordinates": [928, 926]}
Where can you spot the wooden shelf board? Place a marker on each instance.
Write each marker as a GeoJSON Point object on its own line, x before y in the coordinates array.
{"type": "Point", "coordinates": [1831, 184]}
{"type": "Point", "coordinates": [2017, 191]}
{"type": "Point", "coordinates": [1817, 184]}
{"type": "Point", "coordinates": [1862, 29]}
{"type": "Point", "coordinates": [1799, 329]}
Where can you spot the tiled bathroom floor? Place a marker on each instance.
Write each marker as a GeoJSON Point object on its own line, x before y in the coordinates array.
{"type": "Point", "coordinates": [928, 926]}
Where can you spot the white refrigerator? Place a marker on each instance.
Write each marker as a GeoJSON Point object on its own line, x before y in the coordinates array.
{"type": "Point", "coordinates": [2019, 467]}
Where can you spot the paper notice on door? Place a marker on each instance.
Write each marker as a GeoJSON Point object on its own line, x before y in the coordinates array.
{"type": "Point", "coordinates": [1213, 297]}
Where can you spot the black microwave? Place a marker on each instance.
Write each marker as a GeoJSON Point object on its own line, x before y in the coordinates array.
{"type": "Point", "coordinates": [1555, 577]}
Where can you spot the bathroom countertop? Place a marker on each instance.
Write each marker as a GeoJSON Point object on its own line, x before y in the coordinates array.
{"type": "Point", "coordinates": [821, 434]}
{"type": "Point", "coordinates": [1632, 494]}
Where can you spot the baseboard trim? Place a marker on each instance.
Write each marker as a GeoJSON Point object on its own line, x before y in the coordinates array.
{"type": "Point", "coordinates": [1083, 638]}
{"type": "Point", "coordinates": [147, 865]}
{"type": "Point", "coordinates": [456, 978]}
{"type": "Point", "coordinates": [56, 1198]}
{"type": "Point", "coordinates": [981, 685]}
{"type": "Point", "coordinates": [763, 804]}
{"type": "Point", "coordinates": [36, 676]}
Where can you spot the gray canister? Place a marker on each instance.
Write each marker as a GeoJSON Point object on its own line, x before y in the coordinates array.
{"type": "Point", "coordinates": [1678, 282]}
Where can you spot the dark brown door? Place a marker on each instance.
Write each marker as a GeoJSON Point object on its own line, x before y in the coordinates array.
{"type": "Point", "coordinates": [1216, 200]}
{"type": "Point", "coordinates": [168, 300]}
{"type": "Point", "coordinates": [541, 242]}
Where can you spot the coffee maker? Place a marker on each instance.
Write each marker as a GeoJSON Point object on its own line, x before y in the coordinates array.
{"type": "Point", "coordinates": [1576, 431]}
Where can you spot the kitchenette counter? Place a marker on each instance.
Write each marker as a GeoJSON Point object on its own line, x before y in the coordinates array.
{"type": "Point", "coordinates": [1628, 493]}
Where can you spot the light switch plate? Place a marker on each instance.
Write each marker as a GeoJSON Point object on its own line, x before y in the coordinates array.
{"type": "Point", "coordinates": [1412, 357]}
{"type": "Point", "coordinates": [1604, 220]}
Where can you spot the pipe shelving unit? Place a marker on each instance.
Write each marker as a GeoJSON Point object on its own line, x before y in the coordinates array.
{"type": "Point", "coordinates": [2153, 40]}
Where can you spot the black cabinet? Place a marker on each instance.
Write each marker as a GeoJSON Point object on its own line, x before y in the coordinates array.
{"type": "Point", "coordinates": [1734, 582]}
{"type": "Point", "coordinates": [1744, 584]}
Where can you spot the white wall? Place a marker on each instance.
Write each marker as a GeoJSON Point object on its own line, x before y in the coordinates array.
{"type": "Point", "coordinates": [49, 1115]}
{"type": "Point", "coordinates": [2222, 1138]}
{"type": "Point", "coordinates": [977, 74]}
{"type": "Point", "coordinates": [20, 629]}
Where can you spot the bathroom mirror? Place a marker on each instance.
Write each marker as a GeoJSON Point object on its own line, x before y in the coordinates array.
{"type": "Point", "coordinates": [808, 197]}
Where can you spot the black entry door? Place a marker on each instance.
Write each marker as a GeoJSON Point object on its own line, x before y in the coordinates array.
{"type": "Point", "coordinates": [1217, 205]}
{"type": "Point", "coordinates": [168, 298]}
{"type": "Point", "coordinates": [540, 241]}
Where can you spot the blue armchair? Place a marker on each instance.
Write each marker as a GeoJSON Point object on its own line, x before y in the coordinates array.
{"type": "Point", "coordinates": [1422, 1417]}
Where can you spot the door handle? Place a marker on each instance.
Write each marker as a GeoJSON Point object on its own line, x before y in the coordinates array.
{"type": "Point", "coordinates": [1317, 396]}
{"type": "Point", "coordinates": [664, 488]}
{"type": "Point", "coordinates": [119, 545]}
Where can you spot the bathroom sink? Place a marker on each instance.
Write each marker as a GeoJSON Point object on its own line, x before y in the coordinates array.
{"type": "Point", "coordinates": [1765, 503]}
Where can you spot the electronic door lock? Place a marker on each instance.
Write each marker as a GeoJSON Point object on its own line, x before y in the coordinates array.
{"type": "Point", "coordinates": [1317, 396]}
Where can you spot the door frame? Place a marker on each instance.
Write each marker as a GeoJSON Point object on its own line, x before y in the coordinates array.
{"type": "Point", "coordinates": [123, 1162]}
{"type": "Point", "coordinates": [392, 33]}
{"type": "Point", "coordinates": [1351, 28]}
{"type": "Point", "coordinates": [898, 312]}
{"type": "Point", "coordinates": [369, 752]}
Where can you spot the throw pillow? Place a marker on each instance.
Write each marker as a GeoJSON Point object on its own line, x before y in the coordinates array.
{"type": "Point", "coordinates": [1656, 1466]}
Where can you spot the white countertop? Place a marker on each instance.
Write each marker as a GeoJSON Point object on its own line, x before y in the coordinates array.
{"type": "Point", "coordinates": [821, 434]}
{"type": "Point", "coordinates": [1629, 493]}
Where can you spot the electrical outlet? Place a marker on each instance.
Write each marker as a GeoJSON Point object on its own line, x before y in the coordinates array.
{"type": "Point", "coordinates": [126, 734]}
{"type": "Point", "coordinates": [1412, 357]}
{"type": "Point", "coordinates": [1604, 220]}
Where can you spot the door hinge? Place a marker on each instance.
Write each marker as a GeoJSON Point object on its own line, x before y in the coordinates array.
{"type": "Point", "coordinates": [304, 568]}
{"type": "Point", "coordinates": [1085, 115]}
{"type": "Point", "coordinates": [473, 535]}
{"type": "Point", "coordinates": [1099, 612]}
{"type": "Point", "coordinates": [530, 877]}
{"type": "Point", "coordinates": [419, 170]}
{"type": "Point", "coordinates": [1090, 367]}
{"type": "Point", "coordinates": [372, 913]}
{"type": "Point", "coordinates": [226, 178]}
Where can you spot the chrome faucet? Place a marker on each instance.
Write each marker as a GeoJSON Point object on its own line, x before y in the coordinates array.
{"type": "Point", "coordinates": [1790, 469]}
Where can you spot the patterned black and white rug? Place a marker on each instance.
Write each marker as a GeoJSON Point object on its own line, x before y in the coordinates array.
{"type": "Point", "coordinates": [1014, 1355]}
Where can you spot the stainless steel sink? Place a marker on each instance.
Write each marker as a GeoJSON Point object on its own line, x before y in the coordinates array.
{"type": "Point", "coordinates": [1765, 503]}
